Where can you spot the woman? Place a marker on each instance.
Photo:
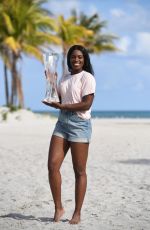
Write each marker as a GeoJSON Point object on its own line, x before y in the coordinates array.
{"type": "Point", "coordinates": [73, 128]}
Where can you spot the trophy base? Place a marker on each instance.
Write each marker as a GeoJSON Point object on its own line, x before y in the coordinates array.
{"type": "Point", "coordinates": [50, 100]}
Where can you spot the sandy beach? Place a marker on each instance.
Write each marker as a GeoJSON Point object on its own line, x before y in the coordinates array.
{"type": "Point", "coordinates": [118, 169]}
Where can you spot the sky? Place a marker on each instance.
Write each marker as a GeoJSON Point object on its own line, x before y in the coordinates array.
{"type": "Point", "coordinates": [123, 77]}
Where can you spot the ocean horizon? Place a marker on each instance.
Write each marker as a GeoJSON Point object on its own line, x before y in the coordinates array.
{"type": "Point", "coordinates": [107, 113]}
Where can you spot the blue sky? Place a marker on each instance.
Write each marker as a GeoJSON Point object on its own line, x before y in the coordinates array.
{"type": "Point", "coordinates": [123, 78]}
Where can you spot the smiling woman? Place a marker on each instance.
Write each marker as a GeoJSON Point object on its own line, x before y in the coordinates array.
{"type": "Point", "coordinates": [73, 128]}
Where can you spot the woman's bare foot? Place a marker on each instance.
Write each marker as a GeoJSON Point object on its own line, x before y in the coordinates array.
{"type": "Point", "coordinates": [75, 218]}
{"type": "Point", "coordinates": [58, 214]}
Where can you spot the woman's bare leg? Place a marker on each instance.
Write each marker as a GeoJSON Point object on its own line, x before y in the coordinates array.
{"type": "Point", "coordinates": [57, 151]}
{"type": "Point", "coordinates": [79, 153]}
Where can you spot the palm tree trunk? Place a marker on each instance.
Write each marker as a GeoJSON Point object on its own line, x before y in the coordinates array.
{"type": "Point", "coordinates": [20, 91]}
{"type": "Point", "coordinates": [13, 82]}
{"type": "Point", "coordinates": [17, 92]}
{"type": "Point", "coordinates": [6, 85]}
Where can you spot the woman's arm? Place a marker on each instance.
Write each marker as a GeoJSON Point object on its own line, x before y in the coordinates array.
{"type": "Point", "coordinates": [85, 104]}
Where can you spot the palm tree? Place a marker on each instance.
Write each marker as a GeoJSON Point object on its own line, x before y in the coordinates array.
{"type": "Point", "coordinates": [69, 34]}
{"type": "Point", "coordinates": [98, 42]}
{"type": "Point", "coordinates": [25, 26]}
{"type": "Point", "coordinates": [83, 30]}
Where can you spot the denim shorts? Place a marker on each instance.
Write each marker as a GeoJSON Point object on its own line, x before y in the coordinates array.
{"type": "Point", "coordinates": [73, 128]}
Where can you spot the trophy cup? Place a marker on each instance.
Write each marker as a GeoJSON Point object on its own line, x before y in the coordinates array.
{"type": "Point", "coordinates": [50, 64]}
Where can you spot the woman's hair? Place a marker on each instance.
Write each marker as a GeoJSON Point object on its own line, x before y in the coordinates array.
{"type": "Point", "coordinates": [87, 64]}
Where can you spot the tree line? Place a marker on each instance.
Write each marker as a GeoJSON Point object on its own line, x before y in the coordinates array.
{"type": "Point", "coordinates": [28, 28]}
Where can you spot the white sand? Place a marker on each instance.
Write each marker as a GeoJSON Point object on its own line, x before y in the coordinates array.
{"type": "Point", "coordinates": [118, 192]}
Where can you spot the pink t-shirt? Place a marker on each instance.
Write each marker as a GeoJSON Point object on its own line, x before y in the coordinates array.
{"type": "Point", "coordinates": [72, 88]}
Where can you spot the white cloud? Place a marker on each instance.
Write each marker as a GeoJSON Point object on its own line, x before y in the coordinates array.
{"type": "Point", "coordinates": [136, 46]}
{"type": "Point", "coordinates": [117, 12]}
{"type": "Point", "coordinates": [133, 18]}
{"type": "Point", "coordinates": [92, 9]}
{"type": "Point", "coordinates": [63, 7]}
{"type": "Point", "coordinates": [123, 44]}
{"type": "Point", "coordinates": [143, 44]}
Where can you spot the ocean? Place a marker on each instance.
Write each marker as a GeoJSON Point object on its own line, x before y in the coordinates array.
{"type": "Point", "coordinates": [107, 114]}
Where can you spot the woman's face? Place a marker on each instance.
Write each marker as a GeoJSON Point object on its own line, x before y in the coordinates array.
{"type": "Point", "coordinates": [77, 61]}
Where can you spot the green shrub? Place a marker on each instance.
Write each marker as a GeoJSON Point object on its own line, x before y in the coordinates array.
{"type": "Point", "coordinates": [4, 116]}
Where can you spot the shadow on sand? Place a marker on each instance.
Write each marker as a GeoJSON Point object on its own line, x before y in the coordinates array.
{"type": "Point", "coordinates": [18, 216]}
{"type": "Point", "coordinates": [141, 161]}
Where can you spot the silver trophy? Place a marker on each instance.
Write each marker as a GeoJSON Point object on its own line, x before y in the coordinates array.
{"type": "Point", "coordinates": [50, 64]}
